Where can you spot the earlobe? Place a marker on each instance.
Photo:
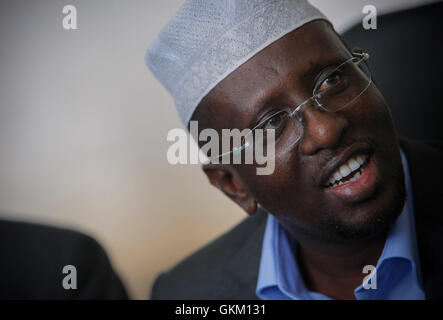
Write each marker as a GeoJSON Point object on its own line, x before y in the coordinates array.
{"type": "Point", "coordinates": [225, 181]}
{"type": "Point", "coordinates": [251, 208]}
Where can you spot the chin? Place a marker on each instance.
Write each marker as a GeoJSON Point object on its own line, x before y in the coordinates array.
{"type": "Point", "coordinates": [372, 218]}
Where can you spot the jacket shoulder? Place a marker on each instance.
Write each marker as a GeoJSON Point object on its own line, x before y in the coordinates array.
{"type": "Point", "coordinates": [203, 274]}
{"type": "Point", "coordinates": [426, 171]}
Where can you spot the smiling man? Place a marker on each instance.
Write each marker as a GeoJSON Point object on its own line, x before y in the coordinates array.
{"type": "Point", "coordinates": [346, 192]}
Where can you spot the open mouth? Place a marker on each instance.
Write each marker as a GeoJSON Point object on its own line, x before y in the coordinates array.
{"type": "Point", "coordinates": [349, 172]}
{"type": "Point", "coordinates": [352, 176]}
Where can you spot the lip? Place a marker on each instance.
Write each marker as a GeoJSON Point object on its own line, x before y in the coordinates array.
{"type": "Point", "coordinates": [335, 163]}
{"type": "Point", "coordinates": [360, 189]}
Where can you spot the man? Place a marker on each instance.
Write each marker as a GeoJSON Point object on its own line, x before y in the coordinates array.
{"type": "Point", "coordinates": [346, 194]}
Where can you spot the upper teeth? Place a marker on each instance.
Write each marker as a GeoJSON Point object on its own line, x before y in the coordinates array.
{"type": "Point", "coordinates": [346, 169]}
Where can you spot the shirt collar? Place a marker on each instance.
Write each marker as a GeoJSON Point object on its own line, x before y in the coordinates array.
{"type": "Point", "coordinates": [279, 275]}
{"type": "Point", "coordinates": [400, 242]}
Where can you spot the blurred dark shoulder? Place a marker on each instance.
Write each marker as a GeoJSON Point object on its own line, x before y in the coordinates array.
{"type": "Point", "coordinates": [33, 257]}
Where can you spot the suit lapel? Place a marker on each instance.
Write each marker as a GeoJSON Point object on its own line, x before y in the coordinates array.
{"type": "Point", "coordinates": [242, 268]}
{"type": "Point", "coordinates": [426, 171]}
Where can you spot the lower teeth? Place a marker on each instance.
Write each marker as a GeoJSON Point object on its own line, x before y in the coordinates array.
{"type": "Point", "coordinates": [354, 178]}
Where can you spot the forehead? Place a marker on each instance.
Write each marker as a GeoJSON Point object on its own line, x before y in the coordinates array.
{"type": "Point", "coordinates": [274, 72]}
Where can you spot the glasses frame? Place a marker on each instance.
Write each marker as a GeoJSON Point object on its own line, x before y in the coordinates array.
{"type": "Point", "coordinates": [357, 58]}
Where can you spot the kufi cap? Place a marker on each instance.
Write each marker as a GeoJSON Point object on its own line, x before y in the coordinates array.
{"type": "Point", "coordinates": [207, 40]}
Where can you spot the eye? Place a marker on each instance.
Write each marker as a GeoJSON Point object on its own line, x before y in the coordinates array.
{"type": "Point", "coordinates": [331, 81]}
{"type": "Point", "coordinates": [277, 122]}
{"type": "Point", "coordinates": [273, 122]}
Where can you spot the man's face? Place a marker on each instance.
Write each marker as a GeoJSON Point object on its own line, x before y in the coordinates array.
{"type": "Point", "coordinates": [297, 193]}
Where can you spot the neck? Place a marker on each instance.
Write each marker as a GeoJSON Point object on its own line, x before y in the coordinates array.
{"type": "Point", "coordinates": [337, 269]}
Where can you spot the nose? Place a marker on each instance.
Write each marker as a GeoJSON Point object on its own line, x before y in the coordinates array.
{"type": "Point", "coordinates": [322, 130]}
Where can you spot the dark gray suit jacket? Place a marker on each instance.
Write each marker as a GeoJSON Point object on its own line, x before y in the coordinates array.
{"type": "Point", "coordinates": [228, 267]}
{"type": "Point", "coordinates": [32, 258]}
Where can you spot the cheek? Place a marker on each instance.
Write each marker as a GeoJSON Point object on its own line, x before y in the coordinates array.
{"type": "Point", "coordinates": [287, 188]}
{"type": "Point", "coordinates": [372, 112]}
{"type": "Point", "coordinates": [374, 121]}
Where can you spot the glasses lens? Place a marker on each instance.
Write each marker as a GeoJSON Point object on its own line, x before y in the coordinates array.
{"type": "Point", "coordinates": [278, 128]}
{"type": "Point", "coordinates": [343, 85]}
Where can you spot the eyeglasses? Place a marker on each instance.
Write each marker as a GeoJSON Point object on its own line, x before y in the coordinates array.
{"type": "Point", "coordinates": [334, 90]}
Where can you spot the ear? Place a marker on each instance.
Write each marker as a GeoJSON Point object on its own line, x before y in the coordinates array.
{"type": "Point", "coordinates": [225, 179]}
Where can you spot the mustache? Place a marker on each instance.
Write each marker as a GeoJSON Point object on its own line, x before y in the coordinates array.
{"type": "Point", "coordinates": [329, 154]}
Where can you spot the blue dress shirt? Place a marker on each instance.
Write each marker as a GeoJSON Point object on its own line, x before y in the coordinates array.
{"type": "Point", "coordinates": [398, 273]}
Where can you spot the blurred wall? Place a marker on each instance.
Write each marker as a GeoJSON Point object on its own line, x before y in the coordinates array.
{"type": "Point", "coordinates": [83, 127]}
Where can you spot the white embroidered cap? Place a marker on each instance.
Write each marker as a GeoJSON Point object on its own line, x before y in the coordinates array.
{"type": "Point", "coordinates": [208, 39]}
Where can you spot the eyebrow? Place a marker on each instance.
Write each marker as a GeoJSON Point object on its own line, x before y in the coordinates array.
{"type": "Point", "coordinates": [263, 108]}
{"type": "Point", "coordinates": [316, 68]}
